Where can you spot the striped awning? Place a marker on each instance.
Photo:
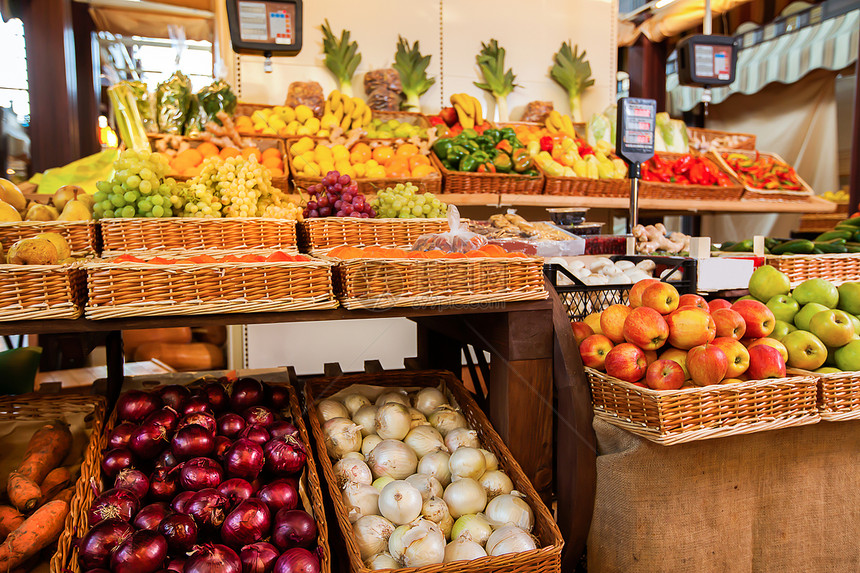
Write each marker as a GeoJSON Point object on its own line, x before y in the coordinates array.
{"type": "Point", "coordinates": [830, 45]}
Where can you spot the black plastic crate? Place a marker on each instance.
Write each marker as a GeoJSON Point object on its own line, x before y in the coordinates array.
{"type": "Point", "coordinates": [582, 299]}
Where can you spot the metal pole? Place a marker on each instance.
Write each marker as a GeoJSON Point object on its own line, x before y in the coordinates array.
{"type": "Point", "coordinates": [633, 219]}
{"type": "Point", "coordinates": [706, 23]}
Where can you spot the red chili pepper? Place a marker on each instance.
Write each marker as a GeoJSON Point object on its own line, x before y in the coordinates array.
{"type": "Point", "coordinates": [546, 143]}
{"type": "Point", "coordinates": [699, 175]}
{"type": "Point", "coordinates": [585, 149]}
{"type": "Point", "coordinates": [683, 164]}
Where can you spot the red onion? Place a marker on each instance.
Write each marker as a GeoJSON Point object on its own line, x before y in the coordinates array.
{"type": "Point", "coordinates": [297, 560]}
{"type": "Point", "coordinates": [200, 418]}
{"type": "Point", "coordinates": [197, 404]}
{"type": "Point", "coordinates": [217, 396]}
{"type": "Point", "coordinates": [212, 558]}
{"type": "Point", "coordinates": [259, 415]}
{"type": "Point", "coordinates": [208, 508]}
{"type": "Point", "coordinates": [285, 455]}
{"type": "Point", "coordinates": [192, 441]}
{"type": "Point", "coordinates": [113, 504]}
{"type": "Point", "coordinates": [180, 531]}
{"type": "Point", "coordinates": [176, 564]}
{"type": "Point", "coordinates": [174, 395]}
{"type": "Point", "coordinates": [143, 552]}
{"type": "Point", "coordinates": [249, 522]}
{"type": "Point", "coordinates": [259, 557]}
{"type": "Point", "coordinates": [134, 481]}
{"type": "Point", "coordinates": [95, 547]}
{"type": "Point", "coordinates": [236, 490]}
{"type": "Point", "coordinates": [257, 434]}
{"type": "Point", "coordinates": [200, 473]}
{"type": "Point", "coordinates": [166, 460]}
{"type": "Point", "coordinates": [247, 392]}
{"type": "Point", "coordinates": [294, 528]}
{"type": "Point", "coordinates": [283, 428]}
{"type": "Point", "coordinates": [180, 502]}
{"type": "Point", "coordinates": [148, 441]}
{"type": "Point", "coordinates": [166, 417]}
{"type": "Point", "coordinates": [244, 459]}
{"type": "Point", "coordinates": [279, 494]}
{"type": "Point", "coordinates": [151, 515]}
{"type": "Point", "coordinates": [222, 444]}
{"type": "Point", "coordinates": [134, 405]}
{"type": "Point", "coordinates": [116, 460]}
{"type": "Point", "coordinates": [163, 484]}
{"type": "Point", "coordinates": [230, 424]}
{"type": "Point", "coordinates": [121, 435]}
{"type": "Point", "coordinates": [277, 397]}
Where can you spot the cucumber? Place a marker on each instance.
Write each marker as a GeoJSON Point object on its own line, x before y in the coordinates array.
{"type": "Point", "coordinates": [853, 222]}
{"type": "Point", "coordinates": [830, 235]}
{"type": "Point", "coordinates": [745, 246]}
{"type": "Point", "coordinates": [726, 244]}
{"type": "Point", "coordinates": [795, 247]}
{"type": "Point", "coordinates": [855, 237]}
{"type": "Point", "coordinates": [817, 251]}
{"type": "Point", "coordinates": [852, 248]}
{"type": "Point", "coordinates": [770, 243]}
{"type": "Point", "coordinates": [828, 248]}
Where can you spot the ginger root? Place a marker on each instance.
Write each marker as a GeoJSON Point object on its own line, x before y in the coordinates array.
{"type": "Point", "coordinates": [654, 238]}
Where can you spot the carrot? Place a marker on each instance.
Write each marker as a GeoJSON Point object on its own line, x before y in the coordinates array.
{"type": "Point", "coordinates": [23, 493]}
{"type": "Point", "coordinates": [10, 520]}
{"type": "Point", "coordinates": [65, 495]}
{"type": "Point", "coordinates": [56, 481]}
{"type": "Point", "coordinates": [37, 532]}
{"type": "Point", "coordinates": [47, 449]}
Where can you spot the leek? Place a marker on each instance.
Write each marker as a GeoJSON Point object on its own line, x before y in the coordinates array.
{"type": "Point", "coordinates": [127, 115]}
{"type": "Point", "coordinates": [341, 57]}
{"type": "Point", "coordinates": [573, 72]}
{"type": "Point", "coordinates": [412, 67]}
{"type": "Point", "coordinates": [497, 81]}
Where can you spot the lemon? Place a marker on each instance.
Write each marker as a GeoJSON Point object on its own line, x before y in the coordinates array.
{"type": "Point", "coordinates": [277, 123]}
{"type": "Point", "coordinates": [340, 152]}
{"type": "Point", "coordinates": [329, 121]}
{"type": "Point", "coordinates": [342, 165]}
{"type": "Point", "coordinates": [299, 162]}
{"type": "Point", "coordinates": [313, 124]}
{"type": "Point", "coordinates": [360, 169]}
{"type": "Point", "coordinates": [303, 113]}
{"type": "Point", "coordinates": [376, 172]}
{"type": "Point", "coordinates": [278, 109]}
{"type": "Point", "coordinates": [303, 130]}
{"type": "Point", "coordinates": [269, 131]}
{"type": "Point", "coordinates": [306, 144]}
{"type": "Point", "coordinates": [326, 165]}
{"type": "Point", "coordinates": [323, 154]}
{"type": "Point", "coordinates": [312, 170]}
{"type": "Point", "coordinates": [259, 116]}
{"type": "Point", "coordinates": [323, 133]}
{"type": "Point", "coordinates": [288, 113]}
{"type": "Point", "coordinates": [371, 163]}
{"type": "Point", "coordinates": [258, 127]}
{"type": "Point", "coordinates": [309, 157]}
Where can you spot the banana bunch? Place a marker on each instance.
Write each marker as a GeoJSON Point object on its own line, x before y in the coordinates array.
{"type": "Point", "coordinates": [345, 112]}
{"type": "Point", "coordinates": [557, 123]}
{"type": "Point", "coordinates": [468, 108]}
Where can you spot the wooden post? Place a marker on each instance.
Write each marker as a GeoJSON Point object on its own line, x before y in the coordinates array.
{"type": "Point", "coordinates": [854, 181]}
{"type": "Point", "coordinates": [87, 73]}
{"type": "Point", "coordinates": [647, 68]}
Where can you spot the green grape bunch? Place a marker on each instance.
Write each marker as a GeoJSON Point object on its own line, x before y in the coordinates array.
{"type": "Point", "coordinates": [405, 202]}
{"type": "Point", "coordinates": [138, 188]}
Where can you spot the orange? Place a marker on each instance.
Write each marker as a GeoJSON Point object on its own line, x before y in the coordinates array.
{"type": "Point", "coordinates": [407, 150]}
{"type": "Point", "coordinates": [360, 153]}
{"type": "Point", "coordinates": [418, 160]}
{"type": "Point", "coordinates": [397, 167]}
{"type": "Point", "coordinates": [383, 155]}
{"type": "Point", "coordinates": [273, 162]}
{"type": "Point", "coordinates": [423, 171]}
{"type": "Point", "coordinates": [201, 259]}
{"type": "Point", "coordinates": [229, 152]}
{"type": "Point", "coordinates": [193, 171]}
{"type": "Point", "coordinates": [190, 157]}
{"type": "Point", "coordinates": [271, 152]}
{"type": "Point", "coordinates": [207, 149]}
{"type": "Point", "coordinates": [517, 254]}
{"type": "Point", "coordinates": [374, 252]}
{"type": "Point", "coordinates": [276, 172]}
{"type": "Point", "coordinates": [249, 151]}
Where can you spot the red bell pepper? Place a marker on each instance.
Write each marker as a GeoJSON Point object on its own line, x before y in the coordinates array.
{"type": "Point", "coordinates": [546, 143]}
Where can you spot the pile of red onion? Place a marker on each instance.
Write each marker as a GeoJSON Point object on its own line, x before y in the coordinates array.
{"type": "Point", "coordinates": [203, 481]}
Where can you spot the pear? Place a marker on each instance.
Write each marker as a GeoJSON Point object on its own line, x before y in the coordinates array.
{"type": "Point", "coordinates": [59, 242]}
{"type": "Point", "coordinates": [87, 200]}
{"type": "Point", "coordinates": [75, 211]}
{"type": "Point", "coordinates": [39, 212]}
{"type": "Point", "coordinates": [33, 251]}
{"type": "Point", "coordinates": [8, 213]}
{"type": "Point", "coordinates": [10, 193]}
{"type": "Point", "coordinates": [65, 194]}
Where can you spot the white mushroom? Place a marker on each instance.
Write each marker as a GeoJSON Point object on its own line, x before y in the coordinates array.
{"type": "Point", "coordinates": [646, 265]}
{"type": "Point", "coordinates": [624, 265]}
{"type": "Point", "coordinates": [599, 264]}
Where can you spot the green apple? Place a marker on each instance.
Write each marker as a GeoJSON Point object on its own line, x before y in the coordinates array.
{"type": "Point", "coordinates": [767, 282]}
{"type": "Point", "coordinates": [802, 318]}
{"type": "Point", "coordinates": [781, 328]}
{"type": "Point", "coordinates": [849, 297]}
{"type": "Point", "coordinates": [827, 370]}
{"type": "Point", "coordinates": [816, 290]}
{"type": "Point", "coordinates": [855, 322]}
{"type": "Point", "coordinates": [832, 327]}
{"type": "Point", "coordinates": [848, 357]}
{"type": "Point", "coordinates": [783, 307]}
{"type": "Point", "coordinates": [747, 297]}
{"type": "Point", "coordinates": [805, 350]}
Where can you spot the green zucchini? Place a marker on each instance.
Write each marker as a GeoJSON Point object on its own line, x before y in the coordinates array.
{"type": "Point", "coordinates": [745, 246]}
{"type": "Point", "coordinates": [830, 235]}
{"type": "Point", "coordinates": [795, 247]}
{"type": "Point", "coordinates": [828, 248]}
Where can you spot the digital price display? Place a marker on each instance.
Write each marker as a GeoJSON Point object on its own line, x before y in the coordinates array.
{"type": "Point", "coordinates": [635, 129]}
{"type": "Point", "coordinates": [707, 61]}
{"type": "Point", "coordinates": [268, 26]}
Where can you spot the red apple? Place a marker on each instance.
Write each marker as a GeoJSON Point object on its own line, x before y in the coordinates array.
{"type": "Point", "coordinates": [627, 362]}
{"type": "Point", "coordinates": [665, 375]}
{"type": "Point", "coordinates": [690, 326]}
{"type": "Point", "coordinates": [679, 356]}
{"type": "Point", "coordinates": [693, 300]}
{"type": "Point", "coordinates": [612, 321]}
{"type": "Point", "coordinates": [650, 356]}
{"type": "Point", "coordinates": [783, 351]}
{"type": "Point", "coordinates": [593, 321]}
{"type": "Point", "coordinates": [739, 358]}
{"type": "Point", "coordinates": [634, 297]}
{"type": "Point", "coordinates": [594, 350]}
{"type": "Point", "coordinates": [662, 297]}
{"type": "Point", "coordinates": [640, 384]}
{"type": "Point", "coordinates": [646, 328]}
{"type": "Point", "coordinates": [765, 362]}
{"type": "Point", "coordinates": [718, 303]}
{"type": "Point", "coordinates": [707, 364]}
{"type": "Point", "coordinates": [581, 331]}
{"type": "Point", "coordinates": [730, 324]}
{"type": "Point", "coordinates": [758, 317]}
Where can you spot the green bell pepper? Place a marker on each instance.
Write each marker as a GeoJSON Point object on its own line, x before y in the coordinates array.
{"type": "Point", "coordinates": [456, 154]}
{"type": "Point", "coordinates": [471, 146]}
{"type": "Point", "coordinates": [485, 142]}
{"type": "Point", "coordinates": [441, 148]}
{"type": "Point", "coordinates": [469, 133]}
{"type": "Point", "coordinates": [522, 160]}
{"type": "Point", "coordinates": [469, 163]}
{"type": "Point", "coordinates": [495, 135]}
{"type": "Point", "coordinates": [503, 163]}
{"type": "Point", "coordinates": [508, 133]}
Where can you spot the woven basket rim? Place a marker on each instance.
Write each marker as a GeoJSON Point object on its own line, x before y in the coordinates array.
{"type": "Point", "coordinates": [194, 220]}
{"type": "Point", "coordinates": [459, 260]}
{"type": "Point", "coordinates": [102, 264]}
{"type": "Point", "coordinates": [816, 257]}
{"type": "Point", "coordinates": [797, 378]}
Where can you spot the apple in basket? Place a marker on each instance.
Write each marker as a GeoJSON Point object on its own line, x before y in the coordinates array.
{"type": "Point", "coordinates": [718, 303]}
{"type": "Point", "coordinates": [804, 350]}
{"type": "Point", "coordinates": [665, 375]}
{"type": "Point", "coordinates": [646, 328]}
{"type": "Point", "coordinates": [729, 323]}
{"type": "Point", "coordinates": [707, 364]}
{"type": "Point", "coordinates": [757, 316]}
{"type": "Point", "coordinates": [612, 321]}
{"type": "Point", "coordinates": [662, 297]}
{"type": "Point", "coordinates": [770, 342]}
{"type": "Point", "coordinates": [679, 356]}
{"type": "Point", "coordinates": [581, 331]}
{"type": "Point", "coordinates": [765, 362]}
{"type": "Point", "coordinates": [627, 362]}
{"type": "Point", "coordinates": [634, 297]}
{"type": "Point", "coordinates": [690, 326]}
{"type": "Point", "coordinates": [594, 349]}
{"type": "Point", "coordinates": [738, 355]}
{"type": "Point", "coordinates": [693, 300]}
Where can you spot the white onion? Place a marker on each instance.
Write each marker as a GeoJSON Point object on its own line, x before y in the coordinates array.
{"type": "Point", "coordinates": [328, 409]}
{"type": "Point", "coordinates": [463, 549]}
{"type": "Point", "coordinates": [426, 484]}
{"type": "Point", "coordinates": [423, 544]}
{"type": "Point", "coordinates": [397, 397]}
{"type": "Point", "coordinates": [369, 442]}
{"type": "Point", "coordinates": [446, 525]}
{"type": "Point", "coordinates": [428, 399]}
{"type": "Point", "coordinates": [509, 509]}
{"type": "Point", "coordinates": [465, 496]}
{"type": "Point", "coordinates": [352, 470]}
{"type": "Point", "coordinates": [490, 460]}
{"type": "Point", "coordinates": [393, 421]}
{"type": "Point", "coordinates": [460, 438]}
{"type": "Point", "coordinates": [510, 539]}
{"type": "Point", "coordinates": [355, 402]}
{"type": "Point", "coordinates": [357, 456]}
{"type": "Point", "coordinates": [446, 418]}
{"type": "Point", "coordinates": [436, 465]}
{"type": "Point", "coordinates": [395, 542]}
{"type": "Point", "coordinates": [400, 502]}
{"type": "Point", "coordinates": [382, 561]}
{"type": "Point", "coordinates": [496, 483]}
{"type": "Point", "coordinates": [366, 418]}
{"type": "Point", "coordinates": [424, 439]}
{"type": "Point", "coordinates": [392, 458]}
{"type": "Point", "coordinates": [372, 533]}
{"type": "Point", "coordinates": [341, 436]}
{"type": "Point", "coordinates": [435, 509]}
{"type": "Point", "coordinates": [380, 483]}
{"type": "Point", "coordinates": [475, 526]}
{"type": "Point", "coordinates": [467, 463]}
{"type": "Point", "coordinates": [360, 499]}
{"type": "Point", "coordinates": [418, 419]}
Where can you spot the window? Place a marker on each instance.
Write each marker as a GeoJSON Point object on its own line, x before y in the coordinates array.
{"type": "Point", "coordinates": [13, 70]}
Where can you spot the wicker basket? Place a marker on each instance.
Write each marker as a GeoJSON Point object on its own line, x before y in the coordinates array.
{"type": "Point", "coordinates": [386, 283]}
{"type": "Point", "coordinates": [708, 137]}
{"type": "Point", "coordinates": [670, 417]}
{"type": "Point", "coordinates": [839, 396]}
{"type": "Point", "coordinates": [39, 292]}
{"type": "Point", "coordinates": [837, 268]}
{"type": "Point", "coordinates": [183, 234]}
{"type": "Point", "coordinates": [318, 236]}
{"type": "Point", "coordinates": [411, 117]}
{"type": "Point", "coordinates": [660, 190]}
{"type": "Point", "coordinates": [141, 289]}
{"type": "Point", "coordinates": [763, 194]}
{"type": "Point", "coordinates": [81, 235]}
{"type": "Point", "coordinates": [545, 559]}
{"type": "Point", "coordinates": [585, 187]}
{"type": "Point", "coordinates": [467, 182]}
{"type": "Point", "coordinates": [43, 408]}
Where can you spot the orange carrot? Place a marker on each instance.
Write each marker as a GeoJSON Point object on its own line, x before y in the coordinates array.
{"type": "Point", "coordinates": [37, 532]}
{"type": "Point", "coordinates": [47, 449]}
{"type": "Point", "coordinates": [65, 495]}
{"type": "Point", "coordinates": [10, 520]}
{"type": "Point", "coordinates": [56, 481]}
{"type": "Point", "coordinates": [23, 493]}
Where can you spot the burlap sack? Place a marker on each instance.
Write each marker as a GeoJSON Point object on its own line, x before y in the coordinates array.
{"type": "Point", "coordinates": [782, 501]}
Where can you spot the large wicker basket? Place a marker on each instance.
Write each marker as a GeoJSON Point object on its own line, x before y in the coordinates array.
{"type": "Point", "coordinates": [675, 416]}
{"type": "Point", "coordinates": [711, 138]}
{"type": "Point", "coordinates": [42, 408]}
{"type": "Point", "coordinates": [545, 559]}
{"type": "Point", "coordinates": [836, 268]}
{"type": "Point", "coordinates": [387, 283]}
{"type": "Point", "coordinates": [585, 187]}
{"type": "Point", "coordinates": [142, 289]}
{"type": "Point", "coordinates": [81, 235]}
{"type": "Point", "coordinates": [182, 234]}
{"type": "Point", "coordinates": [661, 190]}
{"type": "Point", "coordinates": [751, 192]}
{"type": "Point", "coordinates": [318, 236]}
{"type": "Point", "coordinates": [411, 117]}
{"type": "Point", "coordinates": [839, 396]}
{"type": "Point", "coordinates": [38, 292]}
{"type": "Point", "coordinates": [467, 182]}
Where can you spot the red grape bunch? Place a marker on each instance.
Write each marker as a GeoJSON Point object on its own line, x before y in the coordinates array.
{"type": "Point", "coordinates": [337, 196]}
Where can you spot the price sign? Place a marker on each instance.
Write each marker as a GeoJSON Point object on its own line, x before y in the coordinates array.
{"type": "Point", "coordinates": [708, 61]}
{"type": "Point", "coordinates": [635, 126]}
{"type": "Point", "coordinates": [268, 26]}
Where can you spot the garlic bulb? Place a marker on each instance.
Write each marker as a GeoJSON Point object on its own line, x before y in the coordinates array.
{"type": "Point", "coordinates": [423, 544]}
{"type": "Point", "coordinates": [392, 458]}
{"type": "Point", "coordinates": [396, 397]}
{"type": "Point", "coordinates": [475, 526]}
{"type": "Point", "coordinates": [366, 418]}
{"type": "Point", "coordinates": [341, 436]}
{"type": "Point", "coordinates": [424, 439]}
{"type": "Point", "coordinates": [360, 499]}
{"type": "Point", "coordinates": [445, 419]}
{"type": "Point", "coordinates": [465, 496]}
{"type": "Point", "coordinates": [509, 539]}
{"type": "Point", "coordinates": [428, 399]}
{"type": "Point", "coordinates": [400, 502]}
{"type": "Point", "coordinates": [510, 509]}
{"type": "Point", "coordinates": [463, 549]}
{"type": "Point", "coordinates": [382, 561]}
{"type": "Point", "coordinates": [466, 463]}
{"type": "Point", "coordinates": [393, 421]}
{"type": "Point", "coordinates": [418, 419]}
{"type": "Point", "coordinates": [355, 402]}
{"type": "Point", "coordinates": [427, 485]}
{"type": "Point", "coordinates": [371, 534]}
{"type": "Point", "coordinates": [328, 409]}
{"type": "Point", "coordinates": [352, 470]}
{"type": "Point", "coordinates": [380, 483]}
{"type": "Point", "coordinates": [436, 465]}
{"type": "Point", "coordinates": [490, 460]}
{"type": "Point", "coordinates": [496, 483]}
{"type": "Point", "coordinates": [461, 437]}
{"type": "Point", "coordinates": [369, 442]}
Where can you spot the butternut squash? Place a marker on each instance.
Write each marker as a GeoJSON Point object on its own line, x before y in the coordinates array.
{"type": "Point", "coordinates": [192, 356]}
{"type": "Point", "coordinates": [132, 339]}
{"type": "Point", "coordinates": [216, 335]}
